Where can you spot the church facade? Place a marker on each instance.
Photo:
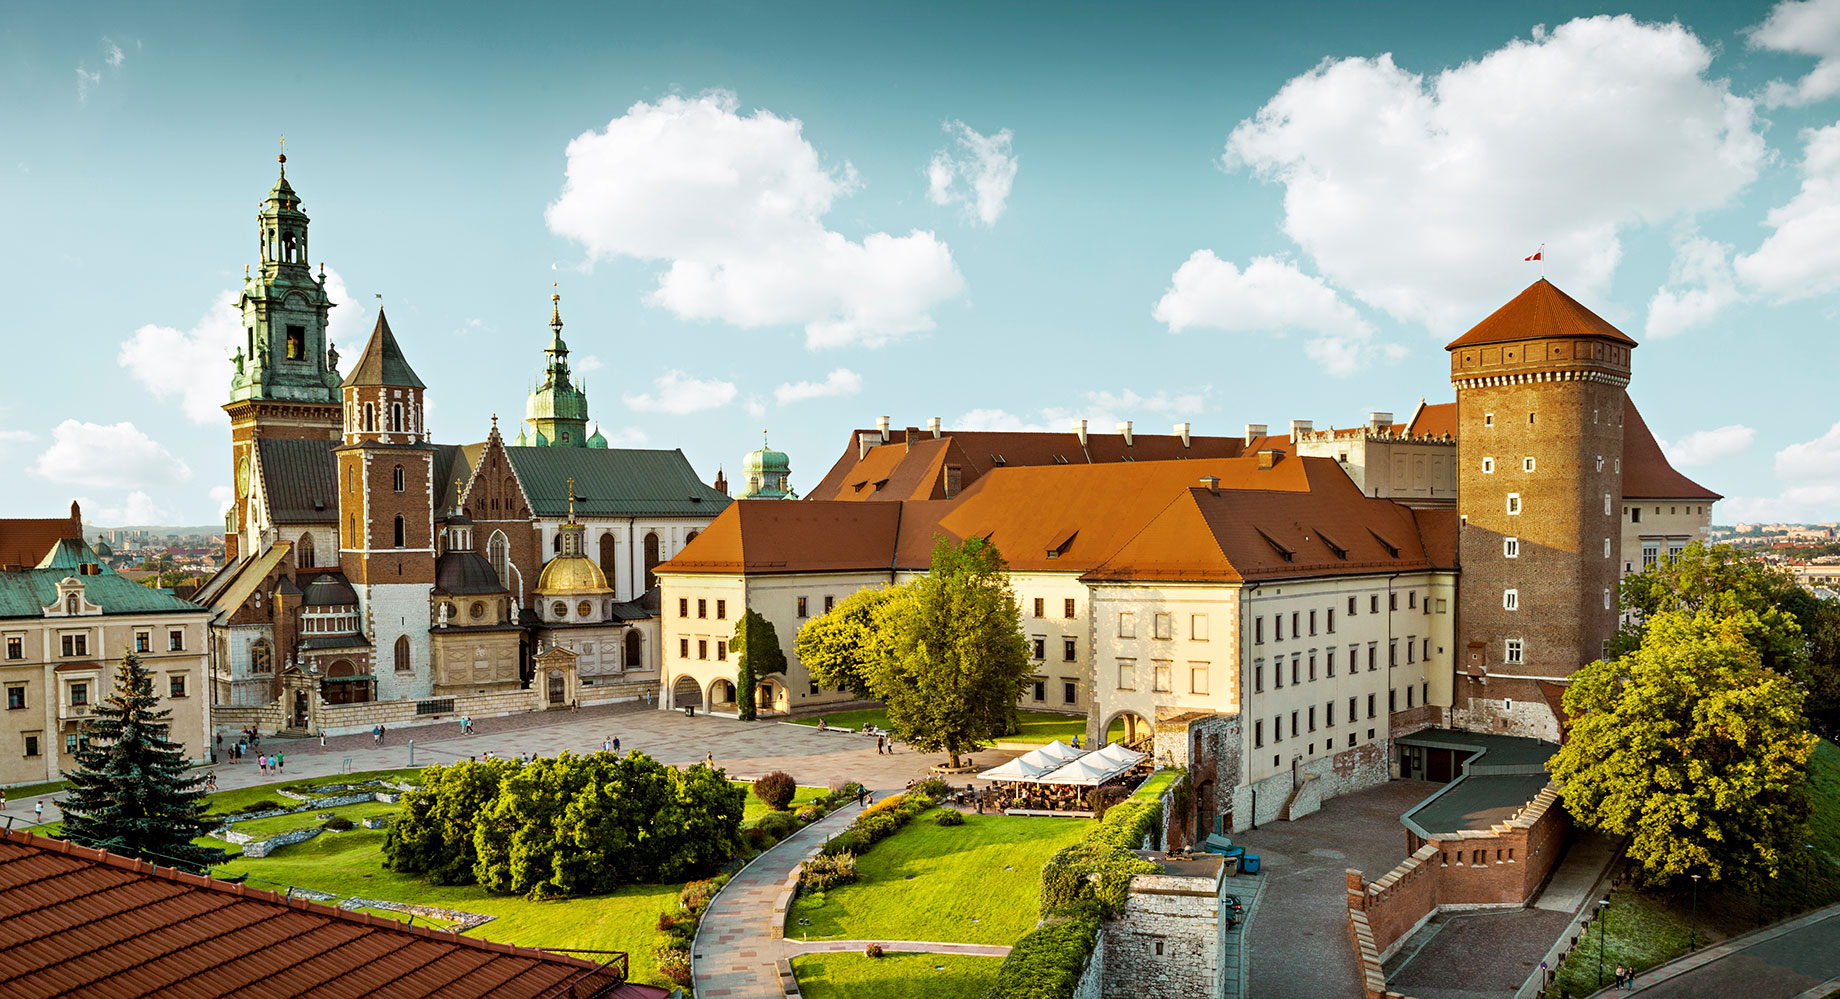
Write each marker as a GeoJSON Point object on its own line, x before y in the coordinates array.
{"type": "Point", "coordinates": [377, 576]}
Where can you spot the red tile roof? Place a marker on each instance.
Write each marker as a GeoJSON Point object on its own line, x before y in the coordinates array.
{"type": "Point", "coordinates": [24, 541]}
{"type": "Point", "coordinates": [76, 922]}
{"type": "Point", "coordinates": [1647, 474]}
{"type": "Point", "coordinates": [1434, 420]}
{"type": "Point", "coordinates": [1540, 311]}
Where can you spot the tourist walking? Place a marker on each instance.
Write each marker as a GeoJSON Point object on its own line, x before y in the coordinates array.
{"type": "Point", "coordinates": [322, 738]}
{"type": "Point", "coordinates": [878, 745]}
{"type": "Point", "coordinates": [616, 744]}
{"type": "Point", "coordinates": [38, 812]}
{"type": "Point", "coordinates": [709, 759]}
{"type": "Point", "coordinates": [1619, 976]}
{"type": "Point", "coordinates": [280, 763]}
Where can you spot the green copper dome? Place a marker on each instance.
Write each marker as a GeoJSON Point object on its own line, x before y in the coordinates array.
{"type": "Point", "coordinates": [766, 473]}
{"type": "Point", "coordinates": [557, 409]}
{"type": "Point", "coordinates": [597, 440]}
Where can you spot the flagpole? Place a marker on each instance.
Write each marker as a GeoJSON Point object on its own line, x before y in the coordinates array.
{"type": "Point", "coordinates": [1542, 261]}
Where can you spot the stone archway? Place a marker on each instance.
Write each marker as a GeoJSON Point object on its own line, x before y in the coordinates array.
{"type": "Point", "coordinates": [1128, 727]}
{"type": "Point", "coordinates": [686, 693]}
{"type": "Point", "coordinates": [721, 694]}
{"type": "Point", "coordinates": [770, 695]}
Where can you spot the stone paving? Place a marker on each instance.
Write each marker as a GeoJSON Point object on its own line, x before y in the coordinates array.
{"type": "Point", "coordinates": [1446, 967]}
{"type": "Point", "coordinates": [1797, 957]}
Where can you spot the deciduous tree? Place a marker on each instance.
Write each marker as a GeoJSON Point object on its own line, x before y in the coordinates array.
{"type": "Point", "coordinates": [838, 647]}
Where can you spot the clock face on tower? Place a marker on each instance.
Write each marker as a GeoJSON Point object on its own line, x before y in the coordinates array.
{"type": "Point", "coordinates": [242, 478]}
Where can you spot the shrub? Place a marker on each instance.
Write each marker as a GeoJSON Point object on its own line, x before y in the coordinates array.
{"type": "Point", "coordinates": [776, 790]}
{"type": "Point", "coordinates": [338, 823]}
{"type": "Point", "coordinates": [822, 873]}
{"type": "Point", "coordinates": [673, 964]}
{"type": "Point", "coordinates": [810, 815]}
{"type": "Point", "coordinates": [844, 842]}
{"type": "Point", "coordinates": [893, 801]}
{"type": "Point", "coordinates": [1047, 962]}
{"type": "Point", "coordinates": [873, 950]}
{"type": "Point", "coordinates": [665, 920]}
{"type": "Point", "coordinates": [934, 788]}
{"type": "Point", "coordinates": [1101, 799]}
{"type": "Point", "coordinates": [951, 817]}
{"type": "Point", "coordinates": [695, 894]}
{"type": "Point", "coordinates": [756, 838]}
{"type": "Point", "coordinates": [778, 825]}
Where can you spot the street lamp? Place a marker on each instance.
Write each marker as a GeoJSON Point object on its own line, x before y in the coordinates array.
{"type": "Point", "coordinates": [1603, 911]}
{"type": "Point", "coordinates": [1807, 877]}
{"type": "Point", "coordinates": [1693, 924]}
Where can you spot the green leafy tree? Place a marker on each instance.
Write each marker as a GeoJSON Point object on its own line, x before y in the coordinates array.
{"type": "Point", "coordinates": [1691, 748]}
{"type": "Point", "coordinates": [434, 835]}
{"type": "Point", "coordinates": [130, 794]}
{"type": "Point", "coordinates": [951, 657]}
{"type": "Point", "coordinates": [757, 653]}
{"type": "Point", "coordinates": [838, 647]}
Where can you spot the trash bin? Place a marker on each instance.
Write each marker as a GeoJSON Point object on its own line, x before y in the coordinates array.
{"type": "Point", "coordinates": [1230, 866]}
{"type": "Point", "coordinates": [1249, 863]}
{"type": "Point", "coordinates": [1233, 851]}
{"type": "Point", "coordinates": [689, 711]}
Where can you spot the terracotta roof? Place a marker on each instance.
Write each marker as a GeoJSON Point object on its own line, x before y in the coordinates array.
{"type": "Point", "coordinates": [1434, 420]}
{"type": "Point", "coordinates": [1540, 311]}
{"type": "Point", "coordinates": [300, 480]}
{"type": "Point", "coordinates": [1646, 471]}
{"type": "Point", "coordinates": [1437, 531]}
{"type": "Point", "coordinates": [80, 922]}
{"type": "Point", "coordinates": [382, 362]}
{"type": "Point", "coordinates": [772, 536]}
{"type": "Point", "coordinates": [25, 541]}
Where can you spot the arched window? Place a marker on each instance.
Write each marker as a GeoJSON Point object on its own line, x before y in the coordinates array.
{"type": "Point", "coordinates": [609, 556]}
{"type": "Point", "coordinates": [400, 533]}
{"type": "Point", "coordinates": [691, 536]}
{"type": "Point", "coordinates": [402, 653]}
{"type": "Point", "coordinates": [632, 650]}
{"type": "Point", "coordinates": [555, 542]}
{"type": "Point", "coordinates": [498, 552]}
{"type": "Point", "coordinates": [399, 478]}
{"type": "Point", "coordinates": [651, 559]}
{"type": "Point", "coordinates": [370, 417]}
{"type": "Point", "coordinates": [303, 552]}
{"type": "Point", "coordinates": [396, 420]}
{"type": "Point", "coordinates": [261, 657]}
{"type": "Point", "coordinates": [351, 532]}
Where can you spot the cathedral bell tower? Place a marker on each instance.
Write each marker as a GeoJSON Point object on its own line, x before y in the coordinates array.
{"type": "Point", "coordinates": [557, 410]}
{"type": "Point", "coordinates": [284, 382]}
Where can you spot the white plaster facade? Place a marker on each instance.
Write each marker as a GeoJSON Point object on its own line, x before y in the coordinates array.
{"type": "Point", "coordinates": [393, 610]}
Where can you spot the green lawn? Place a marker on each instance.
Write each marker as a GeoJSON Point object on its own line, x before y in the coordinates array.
{"type": "Point", "coordinates": [756, 809]}
{"type": "Point", "coordinates": [350, 864]}
{"type": "Point", "coordinates": [895, 976]}
{"type": "Point", "coordinates": [275, 825]}
{"type": "Point", "coordinates": [224, 802]}
{"type": "Point", "coordinates": [987, 870]}
{"type": "Point", "coordinates": [16, 795]}
{"type": "Point", "coordinates": [1036, 727]}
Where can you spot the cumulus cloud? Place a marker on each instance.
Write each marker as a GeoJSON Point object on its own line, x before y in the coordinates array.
{"type": "Point", "coordinates": [116, 455]}
{"type": "Point", "coordinates": [734, 205]}
{"type": "Point", "coordinates": [678, 394]}
{"type": "Point", "coordinates": [1703, 447]}
{"type": "Point", "coordinates": [1103, 410]}
{"type": "Point", "coordinates": [1801, 258]}
{"type": "Point", "coordinates": [588, 363]}
{"type": "Point", "coordinates": [840, 382]}
{"type": "Point", "coordinates": [1419, 195]}
{"type": "Point", "coordinates": [996, 419]}
{"type": "Point", "coordinates": [192, 366]}
{"type": "Point", "coordinates": [1802, 27]}
{"type": "Point", "coordinates": [1700, 286]}
{"type": "Point", "coordinates": [1811, 471]}
{"type": "Point", "coordinates": [137, 509]}
{"type": "Point", "coordinates": [626, 437]}
{"type": "Point", "coordinates": [1270, 295]}
{"type": "Point", "coordinates": [985, 166]}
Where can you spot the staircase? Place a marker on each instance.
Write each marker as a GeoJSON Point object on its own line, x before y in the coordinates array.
{"type": "Point", "coordinates": [1305, 799]}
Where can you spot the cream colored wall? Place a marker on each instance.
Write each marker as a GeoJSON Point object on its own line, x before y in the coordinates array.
{"type": "Point", "coordinates": [1679, 521]}
{"type": "Point", "coordinates": [1054, 670]}
{"type": "Point", "coordinates": [1415, 472]}
{"type": "Point", "coordinates": [1124, 670]}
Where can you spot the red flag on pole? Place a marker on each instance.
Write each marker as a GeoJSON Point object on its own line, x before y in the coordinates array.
{"type": "Point", "coordinates": [1538, 254]}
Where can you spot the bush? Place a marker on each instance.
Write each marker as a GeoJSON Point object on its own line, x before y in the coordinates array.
{"type": "Point", "coordinates": [665, 920]}
{"type": "Point", "coordinates": [810, 815]}
{"type": "Point", "coordinates": [695, 894]}
{"type": "Point", "coordinates": [1101, 799]}
{"type": "Point", "coordinates": [673, 964]}
{"type": "Point", "coordinates": [934, 788]}
{"type": "Point", "coordinates": [873, 950]}
{"type": "Point", "coordinates": [778, 825]}
{"type": "Point", "coordinates": [1048, 961]}
{"type": "Point", "coordinates": [844, 842]}
{"type": "Point", "coordinates": [951, 817]}
{"type": "Point", "coordinates": [338, 823]}
{"type": "Point", "coordinates": [756, 839]}
{"type": "Point", "coordinates": [776, 790]}
{"type": "Point", "coordinates": [822, 873]}
{"type": "Point", "coordinates": [434, 834]}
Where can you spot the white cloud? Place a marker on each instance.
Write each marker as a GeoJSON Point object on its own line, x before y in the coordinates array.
{"type": "Point", "coordinates": [678, 394]}
{"type": "Point", "coordinates": [1700, 286]}
{"type": "Point", "coordinates": [756, 408]}
{"type": "Point", "coordinates": [983, 162]}
{"type": "Point", "coordinates": [86, 82]}
{"type": "Point", "coordinates": [224, 497]}
{"type": "Point", "coordinates": [16, 436]}
{"type": "Point", "coordinates": [1419, 196]}
{"type": "Point", "coordinates": [193, 366]}
{"type": "Point", "coordinates": [735, 205]}
{"type": "Point", "coordinates": [626, 437]}
{"type": "Point", "coordinates": [115, 455]}
{"type": "Point", "coordinates": [588, 363]}
{"type": "Point", "coordinates": [1703, 447]}
{"type": "Point", "coordinates": [1182, 404]}
{"type": "Point", "coordinates": [1102, 410]}
{"type": "Point", "coordinates": [137, 509]}
{"type": "Point", "coordinates": [842, 381]}
{"type": "Point", "coordinates": [1270, 295]}
{"type": "Point", "coordinates": [112, 54]}
{"type": "Point", "coordinates": [1812, 495]}
{"type": "Point", "coordinates": [1802, 27]}
{"type": "Point", "coordinates": [996, 419]}
{"type": "Point", "coordinates": [1802, 257]}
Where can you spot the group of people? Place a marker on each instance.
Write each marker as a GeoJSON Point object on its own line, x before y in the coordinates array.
{"type": "Point", "coordinates": [377, 733]}
{"type": "Point", "coordinates": [466, 724]}
{"type": "Point", "coordinates": [271, 764]}
{"type": "Point", "coordinates": [611, 744]}
{"type": "Point", "coordinates": [249, 739]}
{"type": "Point", "coordinates": [1625, 978]}
{"type": "Point", "coordinates": [1039, 797]}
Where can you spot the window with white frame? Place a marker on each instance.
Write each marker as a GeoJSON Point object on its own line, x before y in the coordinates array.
{"type": "Point", "coordinates": [1488, 419]}
{"type": "Point", "coordinates": [1510, 548]}
{"type": "Point", "coordinates": [1512, 654]}
{"type": "Point", "coordinates": [1488, 466]}
{"type": "Point", "coordinates": [1651, 553]}
{"type": "Point", "coordinates": [1127, 674]}
{"type": "Point", "coordinates": [1607, 505]}
{"type": "Point", "coordinates": [1606, 598]}
{"type": "Point", "coordinates": [1526, 464]}
{"type": "Point", "coordinates": [1510, 600]}
{"type": "Point", "coordinates": [1606, 547]}
{"type": "Point", "coordinates": [1127, 626]}
{"type": "Point", "coordinates": [1514, 503]}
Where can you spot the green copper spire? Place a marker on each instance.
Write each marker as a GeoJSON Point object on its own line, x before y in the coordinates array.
{"type": "Point", "coordinates": [285, 354]}
{"type": "Point", "coordinates": [766, 473]}
{"type": "Point", "coordinates": [557, 410]}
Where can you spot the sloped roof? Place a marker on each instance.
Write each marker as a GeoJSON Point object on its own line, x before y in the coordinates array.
{"type": "Point", "coordinates": [300, 480]}
{"type": "Point", "coordinates": [1434, 420]}
{"type": "Point", "coordinates": [773, 536]}
{"type": "Point", "coordinates": [25, 540]}
{"type": "Point", "coordinates": [451, 465]}
{"type": "Point", "coordinates": [1540, 311]}
{"type": "Point", "coordinates": [232, 594]}
{"type": "Point", "coordinates": [28, 592]}
{"type": "Point", "coordinates": [1647, 474]}
{"type": "Point", "coordinates": [69, 555]}
{"type": "Point", "coordinates": [1437, 531]}
{"type": "Point", "coordinates": [81, 922]}
{"type": "Point", "coordinates": [616, 482]}
{"type": "Point", "coordinates": [382, 362]}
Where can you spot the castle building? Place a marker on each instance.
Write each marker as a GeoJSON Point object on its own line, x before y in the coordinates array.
{"type": "Point", "coordinates": [377, 576]}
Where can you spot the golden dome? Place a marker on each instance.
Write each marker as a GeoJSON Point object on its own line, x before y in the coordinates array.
{"type": "Point", "coordinates": [572, 574]}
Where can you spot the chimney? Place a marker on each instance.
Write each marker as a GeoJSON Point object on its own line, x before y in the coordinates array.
{"type": "Point", "coordinates": [1182, 432]}
{"type": "Point", "coordinates": [1212, 482]}
{"type": "Point", "coordinates": [864, 441]}
{"type": "Point", "coordinates": [932, 424]}
{"type": "Point", "coordinates": [913, 434]}
{"type": "Point", "coordinates": [1079, 430]}
{"type": "Point", "coordinates": [1380, 423]}
{"type": "Point", "coordinates": [1269, 457]}
{"type": "Point", "coordinates": [1124, 430]}
{"type": "Point", "coordinates": [1299, 427]}
{"type": "Point", "coordinates": [881, 426]}
{"type": "Point", "coordinates": [1254, 431]}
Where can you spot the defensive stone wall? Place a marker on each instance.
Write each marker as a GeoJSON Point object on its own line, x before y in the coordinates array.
{"type": "Point", "coordinates": [352, 719]}
{"type": "Point", "coordinates": [1167, 942]}
{"type": "Point", "coordinates": [1365, 766]}
{"type": "Point", "coordinates": [1092, 979]}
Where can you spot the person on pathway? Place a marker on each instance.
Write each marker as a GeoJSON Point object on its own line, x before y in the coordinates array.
{"type": "Point", "coordinates": [878, 745]}
{"type": "Point", "coordinates": [280, 763]}
{"type": "Point", "coordinates": [1619, 976]}
{"type": "Point", "coordinates": [322, 738]}
{"type": "Point", "coordinates": [648, 697]}
{"type": "Point", "coordinates": [2, 799]}
{"type": "Point", "coordinates": [616, 744]}
{"type": "Point", "coordinates": [1076, 742]}
{"type": "Point", "coordinates": [606, 745]}
{"type": "Point", "coordinates": [821, 727]}
{"type": "Point", "coordinates": [709, 759]}
{"type": "Point", "coordinates": [38, 812]}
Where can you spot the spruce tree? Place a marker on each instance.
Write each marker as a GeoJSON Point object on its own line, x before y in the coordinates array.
{"type": "Point", "coordinates": [130, 793]}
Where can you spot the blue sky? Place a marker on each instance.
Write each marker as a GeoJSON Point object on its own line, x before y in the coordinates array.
{"type": "Point", "coordinates": [799, 219]}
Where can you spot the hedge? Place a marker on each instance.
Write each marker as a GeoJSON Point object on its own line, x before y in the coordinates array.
{"type": "Point", "coordinates": [1048, 961]}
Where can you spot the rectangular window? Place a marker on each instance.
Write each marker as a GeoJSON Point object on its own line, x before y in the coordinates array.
{"type": "Point", "coordinates": [683, 606]}
{"type": "Point", "coordinates": [1392, 701]}
{"type": "Point", "coordinates": [1197, 680]}
{"type": "Point", "coordinates": [1164, 630]}
{"type": "Point", "coordinates": [1409, 693]}
{"type": "Point", "coordinates": [1197, 627]}
{"type": "Point", "coordinates": [15, 648]}
{"type": "Point", "coordinates": [1373, 603]}
{"type": "Point", "coordinates": [175, 685]}
{"type": "Point", "coordinates": [1511, 548]}
{"type": "Point", "coordinates": [1353, 710]}
{"type": "Point", "coordinates": [829, 602]}
{"type": "Point", "coordinates": [1127, 624]}
{"type": "Point", "coordinates": [1041, 690]}
{"type": "Point", "coordinates": [1070, 692]}
{"type": "Point", "coordinates": [1427, 653]}
{"type": "Point", "coordinates": [1412, 600]}
{"type": "Point", "coordinates": [1277, 731]}
{"type": "Point", "coordinates": [1277, 627]}
{"type": "Point", "coordinates": [1277, 673]}
{"type": "Point", "coordinates": [1258, 734]}
{"type": "Point", "coordinates": [683, 648]}
{"type": "Point", "coordinates": [1038, 648]}
{"type": "Point", "coordinates": [1370, 705]}
{"type": "Point", "coordinates": [1513, 652]}
{"type": "Point", "coordinates": [721, 651]}
{"type": "Point", "coordinates": [1312, 622]}
{"type": "Point", "coordinates": [802, 607]}
{"type": "Point", "coordinates": [175, 640]}
{"type": "Point", "coordinates": [1258, 676]}
{"type": "Point", "coordinates": [702, 608]}
{"type": "Point", "coordinates": [1651, 553]}
{"type": "Point", "coordinates": [1070, 649]}
{"type": "Point", "coordinates": [1514, 503]}
{"type": "Point", "coordinates": [1312, 717]}
{"type": "Point", "coordinates": [1295, 731]}
{"type": "Point", "coordinates": [1606, 598]}
{"type": "Point", "coordinates": [1488, 419]}
{"type": "Point", "coordinates": [1067, 608]}
{"type": "Point", "coordinates": [1296, 667]}
{"type": "Point", "coordinates": [1162, 677]}
{"type": "Point", "coordinates": [1329, 625]}
{"type": "Point", "coordinates": [16, 698]}
{"type": "Point", "coordinates": [721, 610]}
{"type": "Point", "coordinates": [1411, 649]}
{"type": "Point", "coordinates": [1127, 674]}
{"type": "Point", "coordinates": [1296, 619]}
{"type": "Point", "coordinates": [75, 645]}
{"type": "Point", "coordinates": [1392, 601]}
{"type": "Point", "coordinates": [31, 745]}
{"type": "Point", "coordinates": [702, 648]}
{"type": "Point", "coordinates": [1351, 606]}
{"type": "Point", "coordinates": [1488, 466]}
{"type": "Point", "coordinates": [1329, 663]}
{"type": "Point", "coordinates": [1635, 515]}
{"type": "Point", "coordinates": [1039, 605]}
{"type": "Point", "coordinates": [1424, 692]}
{"type": "Point", "coordinates": [1258, 631]}
{"type": "Point", "coordinates": [1527, 464]}
{"type": "Point", "coordinates": [1392, 652]}
{"type": "Point", "coordinates": [1329, 714]}
{"type": "Point", "coordinates": [143, 641]}
{"type": "Point", "coordinates": [1510, 599]}
{"type": "Point", "coordinates": [79, 695]}
{"type": "Point", "coordinates": [1372, 654]}
{"type": "Point", "coordinates": [1606, 547]}
{"type": "Point", "coordinates": [1312, 665]}
{"type": "Point", "coordinates": [814, 686]}
{"type": "Point", "coordinates": [1606, 504]}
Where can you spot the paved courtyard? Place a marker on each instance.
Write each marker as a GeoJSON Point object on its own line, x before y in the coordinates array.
{"type": "Point", "coordinates": [1800, 957]}
{"type": "Point", "coordinates": [1298, 942]}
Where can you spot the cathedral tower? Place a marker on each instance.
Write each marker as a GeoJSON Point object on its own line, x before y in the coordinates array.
{"type": "Point", "coordinates": [386, 511]}
{"type": "Point", "coordinates": [557, 410]}
{"type": "Point", "coordinates": [285, 383]}
{"type": "Point", "coordinates": [1539, 449]}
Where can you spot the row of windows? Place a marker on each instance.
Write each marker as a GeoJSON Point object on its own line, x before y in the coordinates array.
{"type": "Point", "coordinates": [1511, 599]}
{"type": "Point", "coordinates": [1070, 691]}
{"type": "Point", "coordinates": [1163, 676]}
{"type": "Point", "coordinates": [1162, 626]}
{"type": "Point", "coordinates": [1635, 512]}
{"type": "Point", "coordinates": [829, 602]}
{"type": "Point", "coordinates": [78, 645]}
{"type": "Point", "coordinates": [1416, 648]}
{"type": "Point", "coordinates": [1298, 621]}
{"type": "Point", "coordinates": [78, 691]}
{"type": "Point", "coordinates": [1038, 649]}
{"type": "Point", "coordinates": [702, 608]}
{"type": "Point", "coordinates": [702, 649]}
{"type": "Point", "coordinates": [1307, 716]}
{"type": "Point", "coordinates": [1066, 608]}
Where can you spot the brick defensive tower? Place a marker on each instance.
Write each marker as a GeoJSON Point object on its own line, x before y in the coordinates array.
{"type": "Point", "coordinates": [1540, 439]}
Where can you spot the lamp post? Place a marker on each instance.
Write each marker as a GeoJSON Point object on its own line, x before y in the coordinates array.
{"type": "Point", "coordinates": [1693, 924]}
{"type": "Point", "coordinates": [1603, 912]}
{"type": "Point", "coordinates": [1807, 878]}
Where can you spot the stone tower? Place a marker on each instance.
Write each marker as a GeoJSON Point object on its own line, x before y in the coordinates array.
{"type": "Point", "coordinates": [286, 381]}
{"type": "Point", "coordinates": [557, 410]}
{"type": "Point", "coordinates": [1540, 441]}
{"type": "Point", "coordinates": [386, 511]}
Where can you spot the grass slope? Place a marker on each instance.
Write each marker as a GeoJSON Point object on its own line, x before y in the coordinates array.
{"type": "Point", "coordinates": [1036, 727]}
{"type": "Point", "coordinates": [895, 976]}
{"type": "Point", "coordinates": [988, 870]}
